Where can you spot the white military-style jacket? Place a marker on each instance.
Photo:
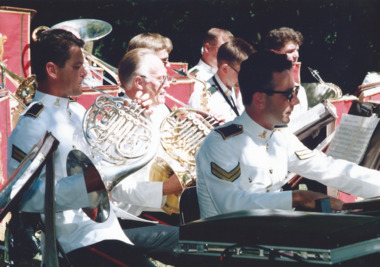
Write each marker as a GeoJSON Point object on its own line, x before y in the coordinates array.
{"type": "Point", "coordinates": [217, 104]}
{"type": "Point", "coordinates": [203, 71]}
{"type": "Point", "coordinates": [242, 165]}
{"type": "Point", "coordinates": [63, 119]}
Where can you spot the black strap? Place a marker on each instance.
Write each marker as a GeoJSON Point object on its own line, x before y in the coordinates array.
{"type": "Point", "coordinates": [230, 101]}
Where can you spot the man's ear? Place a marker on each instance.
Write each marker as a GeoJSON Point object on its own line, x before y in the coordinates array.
{"type": "Point", "coordinates": [206, 47]}
{"type": "Point", "coordinates": [224, 67]}
{"type": "Point", "coordinates": [138, 82]}
{"type": "Point", "coordinates": [51, 69]}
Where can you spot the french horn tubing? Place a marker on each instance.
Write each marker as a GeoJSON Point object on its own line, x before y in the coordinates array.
{"type": "Point", "coordinates": [181, 134]}
{"type": "Point", "coordinates": [333, 87]}
{"type": "Point", "coordinates": [120, 135]}
{"type": "Point", "coordinates": [205, 95]}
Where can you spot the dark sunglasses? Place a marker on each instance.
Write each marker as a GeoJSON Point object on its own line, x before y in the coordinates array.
{"type": "Point", "coordinates": [289, 94]}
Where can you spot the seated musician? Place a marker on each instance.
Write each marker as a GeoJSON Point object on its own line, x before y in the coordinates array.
{"type": "Point", "coordinates": [142, 72]}
{"type": "Point", "coordinates": [287, 41]}
{"type": "Point", "coordinates": [59, 66]}
{"type": "Point", "coordinates": [208, 65]}
{"type": "Point", "coordinates": [243, 164]}
{"type": "Point", "coordinates": [224, 100]}
{"type": "Point", "coordinates": [161, 45]}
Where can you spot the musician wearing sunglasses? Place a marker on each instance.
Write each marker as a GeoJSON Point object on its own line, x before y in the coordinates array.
{"type": "Point", "coordinates": [244, 163]}
{"type": "Point", "coordinates": [287, 41]}
{"type": "Point", "coordinates": [58, 63]}
{"type": "Point", "coordinates": [224, 100]}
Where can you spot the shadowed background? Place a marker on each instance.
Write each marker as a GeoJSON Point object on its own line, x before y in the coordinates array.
{"type": "Point", "coordinates": [341, 38]}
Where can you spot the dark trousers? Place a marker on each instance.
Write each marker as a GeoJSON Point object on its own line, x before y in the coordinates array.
{"type": "Point", "coordinates": [109, 253]}
{"type": "Point", "coordinates": [157, 241]}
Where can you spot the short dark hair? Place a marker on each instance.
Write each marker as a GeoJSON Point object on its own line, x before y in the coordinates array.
{"type": "Point", "coordinates": [234, 51]}
{"type": "Point", "coordinates": [52, 46]}
{"type": "Point", "coordinates": [277, 38]}
{"type": "Point", "coordinates": [256, 73]}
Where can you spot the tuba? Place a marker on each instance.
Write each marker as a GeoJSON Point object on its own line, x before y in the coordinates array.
{"type": "Point", "coordinates": [181, 134]}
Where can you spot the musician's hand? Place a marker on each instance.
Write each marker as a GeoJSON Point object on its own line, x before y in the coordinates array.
{"type": "Point", "coordinates": [172, 186]}
{"type": "Point", "coordinates": [219, 117]}
{"type": "Point", "coordinates": [144, 101]}
{"type": "Point", "coordinates": [304, 198]}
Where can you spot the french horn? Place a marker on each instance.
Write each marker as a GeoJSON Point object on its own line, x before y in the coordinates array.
{"type": "Point", "coordinates": [337, 92]}
{"type": "Point", "coordinates": [121, 136]}
{"type": "Point", "coordinates": [181, 134]}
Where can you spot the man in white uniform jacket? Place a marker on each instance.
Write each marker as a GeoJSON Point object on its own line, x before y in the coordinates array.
{"type": "Point", "coordinates": [208, 65]}
{"type": "Point", "coordinates": [243, 164]}
{"type": "Point", "coordinates": [58, 64]}
{"type": "Point", "coordinates": [223, 97]}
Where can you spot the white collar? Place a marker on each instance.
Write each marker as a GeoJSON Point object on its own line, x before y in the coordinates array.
{"type": "Point", "coordinates": [207, 67]}
{"type": "Point", "coordinates": [226, 91]}
{"type": "Point", "coordinates": [51, 100]}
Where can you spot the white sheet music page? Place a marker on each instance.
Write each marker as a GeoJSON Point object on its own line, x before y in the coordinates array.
{"type": "Point", "coordinates": [309, 116]}
{"type": "Point", "coordinates": [352, 137]}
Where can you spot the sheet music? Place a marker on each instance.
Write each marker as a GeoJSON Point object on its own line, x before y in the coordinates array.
{"type": "Point", "coordinates": [311, 115]}
{"type": "Point", "coordinates": [352, 137]}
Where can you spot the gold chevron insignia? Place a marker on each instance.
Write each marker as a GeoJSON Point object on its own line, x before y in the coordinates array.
{"type": "Point", "coordinates": [17, 153]}
{"type": "Point", "coordinates": [305, 154]}
{"type": "Point", "coordinates": [230, 130]}
{"type": "Point", "coordinates": [224, 175]}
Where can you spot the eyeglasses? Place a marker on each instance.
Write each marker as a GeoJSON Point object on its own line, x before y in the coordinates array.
{"type": "Point", "coordinates": [162, 79]}
{"type": "Point", "coordinates": [233, 69]}
{"type": "Point", "coordinates": [289, 94]}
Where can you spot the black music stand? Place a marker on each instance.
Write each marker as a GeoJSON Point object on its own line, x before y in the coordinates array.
{"type": "Point", "coordinates": [24, 178]}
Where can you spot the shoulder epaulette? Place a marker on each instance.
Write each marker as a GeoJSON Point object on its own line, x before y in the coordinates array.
{"type": "Point", "coordinates": [34, 109]}
{"type": "Point", "coordinates": [17, 153]}
{"type": "Point", "coordinates": [230, 130]}
{"type": "Point", "coordinates": [280, 127]}
{"type": "Point", "coordinates": [212, 89]}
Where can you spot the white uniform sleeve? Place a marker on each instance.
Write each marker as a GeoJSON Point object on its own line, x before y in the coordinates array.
{"type": "Point", "coordinates": [139, 193]}
{"type": "Point", "coordinates": [218, 196]}
{"type": "Point", "coordinates": [70, 193]}
{"type": "Point", "coordinates": [340, 174]}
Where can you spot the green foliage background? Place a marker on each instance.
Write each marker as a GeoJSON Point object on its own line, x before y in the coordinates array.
{"type": "Point", "coordinates": [342, 37]}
